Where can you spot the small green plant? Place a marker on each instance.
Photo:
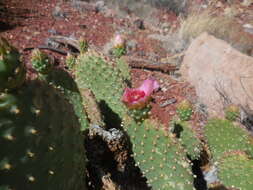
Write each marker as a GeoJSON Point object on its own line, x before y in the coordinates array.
{"type": "Point", "coordinates": [41, 62]}
{"type": "Point", "coordinates": [119, 46]}
{"type": "Point", "coordinates": [83, 45]}
{"type": "Point", "coordinates": [70, 61]}
{"type": "Point", "coordinates": [118, 51]}
{"type": "Point", "coordinates": [232, 112]}
{"type": "Point", "coordinates": [184, 110]}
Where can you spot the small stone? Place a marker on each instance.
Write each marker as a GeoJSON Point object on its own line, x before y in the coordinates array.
{"type": "Point", "coordinates": [131, 45]}
{"type": "Point", "coordinates": [57, 12]}
{"type": "Point", "coordinates": [247, 3]}
{"type": "Point", "coordinates": [53, 31]}
{"type": "Point", "coordinates": [172, 113]}
{"type": "Point", "coordinates": [99, 5]}
{"type": "Point", "coordinates": [168, 102]}
{"type": "Point", "coordinates": [219, 4]}
{"type": "Point", "coordinates": [139, 24]}
{"type": "Point", "coordinates": [248, 28]}
{"type": "Point", "coordinates": [166, 26]}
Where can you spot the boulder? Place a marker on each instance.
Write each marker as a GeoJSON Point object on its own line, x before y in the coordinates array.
{"type": "Point", "coordinates": [219, 73]}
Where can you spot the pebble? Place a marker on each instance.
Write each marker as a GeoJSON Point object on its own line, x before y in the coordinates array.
{"type": "Point", "coordinates": [248, 28]}
{"type": "Point", "coordinates": [131, 45]}
{"type": "Point", "coordinates": [100, 5]}
{"type": "Point", "coordinates": [57, 13]}
{"type": "Point", "coordinates": [139, 24]}
{"type": "Point", "coordinates": [168, 102]}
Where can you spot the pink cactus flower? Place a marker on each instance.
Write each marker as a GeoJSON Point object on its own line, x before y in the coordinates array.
{"type": "Point", "coordinates": [137, 98]}
{"type": "Point", "coordinates": [119, 41]}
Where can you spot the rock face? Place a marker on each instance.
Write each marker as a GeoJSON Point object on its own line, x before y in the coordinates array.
{"type": "Point", "coordinates": [220, 74]}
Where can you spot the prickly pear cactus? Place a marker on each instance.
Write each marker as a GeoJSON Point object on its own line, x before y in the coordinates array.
{"type": "Point", "coordinates": [41, 61]}
{"type": "Point", "coordinates": [159, 156]}
{"type": "Point", "coordinates": [223, 136]}
{"type": "Point", "coordinates": [235, 170]}
{"type": "Point", "coordinates": [184, 110]}
{"type": "Point", "coordinates": [12, 71]}
{"type": "Point", "coordinates": [42, 147]}
{"type": "Point", "coordinates": [232, 150]}
{"type": "Point", "coordinates": [124, 69]}
{"type": "Point", "coordinates": [103, 78]}
{"type": "Point", "coordinates": [64, 83]}
{"type": "Point", "coordinates": [232, 112]}
{"type": "Point", "coordinates": [187, 137]}
{"type": "Point", "coordinates": [70, 61]}
{"type": "Point", "coordinates": [83, 44]}
{"type": "Point", "coordinates": [161, 159]}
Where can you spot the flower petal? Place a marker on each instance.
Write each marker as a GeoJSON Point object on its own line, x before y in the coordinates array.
{"type": "Point", "coordinates": [132, 95]}
{"type": "Point", "coordinates": [148, 86]}
{"type": "Point", "coordinates": [119, 41]}
{"type": "Point", "coordinates": [136, 98]}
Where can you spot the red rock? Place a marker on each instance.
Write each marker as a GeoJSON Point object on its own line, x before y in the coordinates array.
{"type": "Point", "coordinates": [217, 69]}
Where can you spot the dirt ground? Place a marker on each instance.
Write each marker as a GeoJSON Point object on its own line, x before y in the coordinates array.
{"type": "Point", "coordinates": [28, 24]}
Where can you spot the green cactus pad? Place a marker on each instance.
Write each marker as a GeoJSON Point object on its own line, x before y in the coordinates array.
{"type": "Point", "coordinates": [70, 61]}
{"type": "Point", "coordinates": [232, 112]}
{"type": "Point", "coordinates": [12, 71]}
{"type": "Point", "coordinates": [162, 160]}
{"type": "Point", "coordinates": [103, 78]}
{"type": "Point", "coordinates": [139, 114]}
{"type": "Point", "coordinates": [235, 170]}
{"type": "Point", "coordinates": [188, 138]}
{"type": "Point", "coordinates": [62, 81]}
{"type": "Point", "coordinates": [184, 110]}
{"type": "Point", "coordinates": [118, 51]}
{"type": "Point", "coordinates": [41, 62]}
{"type": "Point", "coordinates": [7, 102]}
{"type": "Point", "coordinates": [223, 136]}
{"type": "Point", "coordinates": [42, 147]}
{"type": "Point", "coordinates": [160, 157]}
{"type": "Point", "coordinates": [83, 44]}
{"type": "Point", "coordinates": [124, 68]}
{"type": "Point", "coordinates": [5, 188]}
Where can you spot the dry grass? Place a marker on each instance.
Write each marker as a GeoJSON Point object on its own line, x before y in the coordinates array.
{"type": "Point", "coordinates": [222, 27]}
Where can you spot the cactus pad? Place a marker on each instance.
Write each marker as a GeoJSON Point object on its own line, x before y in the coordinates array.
{"type": "Point", "coordinates": [184, 110]}
{"type": "Point", "coordinates": [63, 82]}
{"type": "Point", "coordinates": [235, 170]}
{"type": "Point", "coordinates": [41, 61]}
{"type": "Point", "coordinates": [188, 138]}
{"type": "Point", "coordinates": [161, 158]}
{"type": "Point", "coordinates": [12, 71]}
{"type": "Point", "coordinates": [103, 78]}
{"type": "Point", "coordinates": [43, 147]}
{"type": "Point", "coordinates": [232, 112]}
{"type": "Point", "coordinates": [223, 136]}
